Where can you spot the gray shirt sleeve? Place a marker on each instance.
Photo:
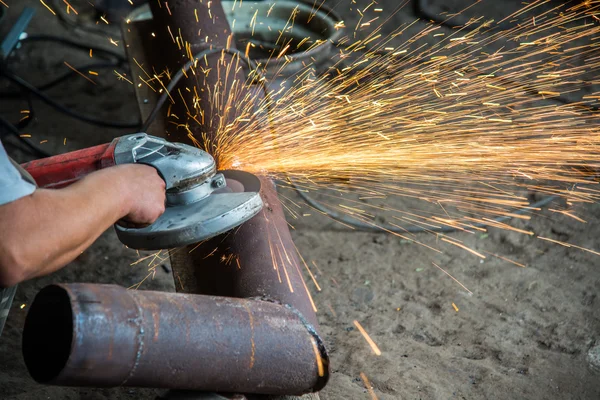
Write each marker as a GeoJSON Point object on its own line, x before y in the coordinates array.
{"type": "Point", "coordinates": [12, 185]}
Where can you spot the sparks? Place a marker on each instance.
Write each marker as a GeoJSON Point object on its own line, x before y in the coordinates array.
{"type": "Point", "coordinates": [370, 341]}
{"type": "Point", "coordinates": [48, 7]}
{"type": "Point", "coordinates": [459, 136]}
{"type": "Point", "coordinates": [368, 386]}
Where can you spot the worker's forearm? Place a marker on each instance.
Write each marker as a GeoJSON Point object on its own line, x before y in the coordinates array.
{"type": "Point", "coordinates": [48, 229]}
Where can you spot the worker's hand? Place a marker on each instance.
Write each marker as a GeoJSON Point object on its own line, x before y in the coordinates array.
{"type": "Point", "coordinates": [145, 196]}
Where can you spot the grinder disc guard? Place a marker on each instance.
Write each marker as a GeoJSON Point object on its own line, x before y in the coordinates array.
{"type": "Point", "coordinates": [181, 225]}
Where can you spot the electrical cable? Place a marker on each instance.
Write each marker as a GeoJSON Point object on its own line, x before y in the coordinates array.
{"type": "Point", "coordinates": [24, 123]}
{"type": "Point", "coordinates": [63, 78]}
{"type": "Point", "coordinates": [181, 73]}
{"type": "Point", "coordinates": [68, 22]}
{"type": "Point", "coordinates": [355, 223]}
{"type": "Point", "coordinates": [14, 131]}
{"type": "Point", "coordinates": [118, 60]}
{"type": "Point", "coordinates": [100, 51]}
{"type": "Point", "coordinates": [59, 107]}
{"type": "Point", "coordinates": [423, 11]}
{"type": "Point", "coordinates": [114, 60]}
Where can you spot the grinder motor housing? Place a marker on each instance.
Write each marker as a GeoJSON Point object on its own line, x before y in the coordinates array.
{"type": "Point", "coordinates": [198, 203]}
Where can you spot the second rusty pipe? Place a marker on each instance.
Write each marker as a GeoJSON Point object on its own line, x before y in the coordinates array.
{"type": "Point", "coordinates": [105, 336]}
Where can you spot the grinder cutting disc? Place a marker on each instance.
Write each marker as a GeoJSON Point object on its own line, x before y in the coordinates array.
{"type": "Point", "coordinates": [217, 213]}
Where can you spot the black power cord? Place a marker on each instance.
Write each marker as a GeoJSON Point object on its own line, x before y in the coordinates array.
{"type": "Point", "coordinates": [75, 25]}
{"type": "Point", "coordinates": [181, 73]}
{"type": "Point", "coordinates": [100, 51]}
{"type": "Point", "coordinates": [63, 78]}
{"type": "Point", "coordinates": [117, 60]}
{"type": "Point", "coordinates": [375, 227]}
{"type": "Point", "coordinates": [17, 80]}
{"type": "Point", "coordinates": [11, 129]}
{"type": "Point", "coordinates": [113, 60]}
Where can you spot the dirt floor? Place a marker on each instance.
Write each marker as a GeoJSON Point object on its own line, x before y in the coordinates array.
{"type": "Point", "coordinates": [525, 333]}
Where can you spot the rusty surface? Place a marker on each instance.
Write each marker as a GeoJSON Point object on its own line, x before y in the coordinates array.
{"type": "Point", "coordinates": [177, 35]}
{"type": "Point", "coordinates": [105, 335]}
{"type": "Point", "coordinates": [258, 259]}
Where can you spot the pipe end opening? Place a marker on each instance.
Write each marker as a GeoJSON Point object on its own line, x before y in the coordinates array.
{"type": "Point", "coordinates": [48, 334]}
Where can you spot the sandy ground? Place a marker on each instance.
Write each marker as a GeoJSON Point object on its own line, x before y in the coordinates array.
{"type": "Point", "coordinates": [526, 333]}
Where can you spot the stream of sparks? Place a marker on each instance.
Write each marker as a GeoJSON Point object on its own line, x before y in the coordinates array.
{"type": "Point", "coordinates": [429, 127]}
{"type": "Point", "coordinates": [434, 132]}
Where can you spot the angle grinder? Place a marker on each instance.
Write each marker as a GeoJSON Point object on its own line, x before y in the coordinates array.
{"type": "Point", "coordinates": [201, 202]}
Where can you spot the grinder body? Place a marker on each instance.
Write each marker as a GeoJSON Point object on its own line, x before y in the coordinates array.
{"type": "Point", "coordinates": [198, 206]}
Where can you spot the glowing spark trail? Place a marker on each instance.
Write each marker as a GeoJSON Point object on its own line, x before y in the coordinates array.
{"type": "Point", "coordinates": [48, 7]}
{"type": "Point", "coordinates": [368, 386]}
{"type": "Point", "coordinates": [427, 130]}
{"type": "Point", "coordinates": [370, 341]}
{"type": "Point", "coordinates": [443, 125]}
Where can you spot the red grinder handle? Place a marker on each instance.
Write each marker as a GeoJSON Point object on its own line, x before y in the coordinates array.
{"type": "Point", "coordinates": [64, 169]}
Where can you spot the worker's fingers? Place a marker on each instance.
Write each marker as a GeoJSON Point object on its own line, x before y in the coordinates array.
{"type": "Point", "coordinates": [145, 191]}
{"type": "Point", "coordinates": [132, 225]}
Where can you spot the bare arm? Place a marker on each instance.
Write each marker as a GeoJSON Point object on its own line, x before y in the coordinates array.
{"type": "Point", "coordinates": [41, 233]}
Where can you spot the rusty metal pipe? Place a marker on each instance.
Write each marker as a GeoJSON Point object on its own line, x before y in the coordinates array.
{"type": "Point", "coordinates": [179, 34]}
{"type": "Point", "coordinates": [105, 336]}
{"type": "Point", "coordinates": [258, 259]}
{"type": "Point", "coordinates": [266, 262]}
